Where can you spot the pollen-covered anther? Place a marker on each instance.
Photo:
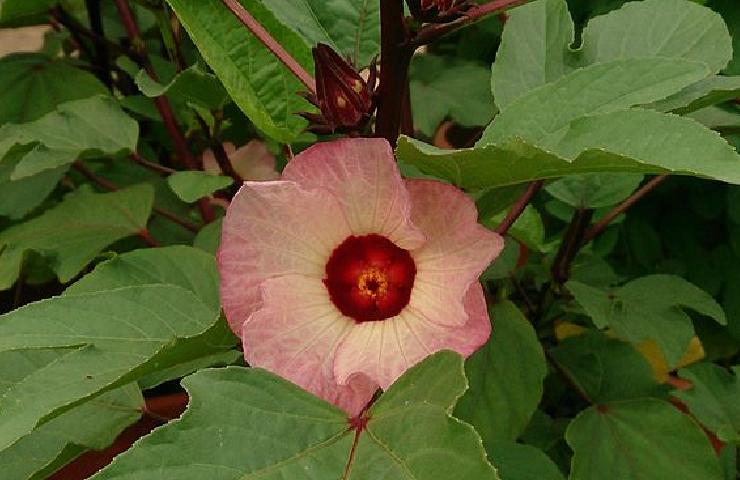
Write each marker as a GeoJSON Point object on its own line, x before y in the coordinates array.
{"type": "Point", "coordinates": [373, 282]}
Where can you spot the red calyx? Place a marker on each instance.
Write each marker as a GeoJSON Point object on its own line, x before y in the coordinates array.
{"type": "Point", "coordinates": [438, 11]}
{"type": "Point", "coordinates": [343, 96]}
{"type": "Point", "coordinates": [369, 278]}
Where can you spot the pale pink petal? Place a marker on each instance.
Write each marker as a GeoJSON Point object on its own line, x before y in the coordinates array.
{"type": "Point", "coordinates": [295, 334]}
{"type": "Point", "coordinates": [273, 229]}
{"type": "Point", "coordinates": [384, 350]}
{"type": "Point", "coordinates": [254, 161]}
{"type": "Point", "coordinates": [456, 251]}
{"type": "Point", "coordinates": [363, 175]}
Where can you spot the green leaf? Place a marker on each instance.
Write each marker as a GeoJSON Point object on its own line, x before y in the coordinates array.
{"type": "Point", "coordinates": [633, 439]}
{"type": "Point", "coordinates": [94, 124]}
{"type": "Point", "coordinates": [663, 28]}
{"type": "Point", "coordinates": [259, 84]}
{"type": "Point", "coordinates": [265, 427]}
{"type": "Point", "coordinates": [20, 197]}
{"type": "Point", "coordinates": [535, 45]}
{"type": "Point", "coordinates": [193, 185]}
{"type": "Point", "coordinates": [594, 190]}
{"type": "Point", "coordinates": [444, 86]}
{"type": "Point", "coordinates": [32, 84]}
{"type": "Point", "coordinates": [707, 92]}
{"type": "Point", "coordinates": [439, 380]}
{"type": "Point", "coordinates": [542, 115]}
{"type": "Point", "coordinates": [181, 266]}
{"type": "Point", "coordinates": [91, 425]}
{"type": "Point", "coordinates": [209, 237]}
{"type": "Point", "coordinates": [528, 229]}
{"type": "Point", "coordinates": [716, 117]}
{"type": "Point", "coordinates": [71, 234]}
{"type": "Point", "coordinates": [515, 461]}
{"type": "Point", "coordinates": [604, 143]}
{"type": "Point", "coordinates": [192, 85]}
{"type": "Point", "coordinates": [351, 27]}
{"type": "Point", "coordinates": [108, 339]}
{"type": "Point", "coordinates": [292, 434]}
{"type": "Point", "coordinates": [505, 378]}
{"type": "Point", "coordinates": [534, 50]}
{"type": "Point", "coordinates": [606, 369]}
{"type": "Point", "coordinates": [714, 398]}
{"type": "Point", "coordinates": [730, 13]}
{"type": "Point", "coordinates": [649, 308]}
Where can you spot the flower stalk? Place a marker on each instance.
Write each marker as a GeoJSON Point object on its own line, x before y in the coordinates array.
{"type": "Point", "coordinates": [162, 104]}
{"type": "Point", "coordinates": [431, 33]}
{"type": "Point", "coordinates": [622, 207]}
{"type": "Point", "coordinates": [395, 57]}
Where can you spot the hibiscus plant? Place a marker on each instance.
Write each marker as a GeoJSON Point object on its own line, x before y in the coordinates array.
{"type": "Point", "coordinates": [370, 239]}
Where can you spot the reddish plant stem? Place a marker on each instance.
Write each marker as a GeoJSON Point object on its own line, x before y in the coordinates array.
{"type": "Point", "coordinates": [395, 56]}
{"type": "Point", "coordinates": [271, 44]}
{"type": "Point", "coordinates": [67, 21]}
{"type": "Point", "coordinates": [143, 233]}
{"type": "Point", "coordinates": [108, 185]}
{"type": "Point", "coordinates": [571, 244]}
{"type": "Point", "coordinates": [77, 29]}
{"type": "Point", "coordinates": [432, 32]}
{"type": "Point", "coordinates": [519, 207]}
{"type": "Point", "coordinates": [569, 379]}
{"type": "Point", "coordinates": [622, 207]}
{"type": "Point", "coordinates": [219, 152]}
{"type": "Point", "coordinates": [147, 237]}
{"type": "Point", "coordinates": [155, 167]}
{"type": "Point", "coordinates": [163, 105]}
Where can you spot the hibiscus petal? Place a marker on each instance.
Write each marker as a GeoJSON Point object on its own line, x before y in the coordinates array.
{"type": "Point", "coordinates": [384, 350]}
{"type": "Point", "coordinates": [362, 174]}
{"type": "Point", "coordinates": [455, 253]}
{"type": "Point", "coordinates": [273, 229]}
{"type": "Point", "coordinates": [295, 335]}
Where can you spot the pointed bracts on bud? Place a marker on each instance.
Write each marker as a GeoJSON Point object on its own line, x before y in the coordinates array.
{"type": "Point", "coordinates": [343, 96]}
{"type": "Point", "coordinates": [438, 11]}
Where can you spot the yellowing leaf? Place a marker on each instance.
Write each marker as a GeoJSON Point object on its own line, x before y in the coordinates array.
{"type": "Point", "coordinates": [649, 349]}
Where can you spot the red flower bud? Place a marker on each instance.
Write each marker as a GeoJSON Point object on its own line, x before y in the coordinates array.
{"type": "Point", "coordinates": [343, 96]}
{"type": "Point", "coordinates": [438, 11]}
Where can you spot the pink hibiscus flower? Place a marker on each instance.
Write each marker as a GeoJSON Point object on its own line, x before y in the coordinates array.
{"type": "Point", "coordinates": [342, 275]}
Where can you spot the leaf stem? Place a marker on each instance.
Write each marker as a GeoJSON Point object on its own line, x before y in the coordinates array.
{"type": "Point", "coordinates": [108, 185]}
{"type": "Point", "coordinates": [569, 379]}
{"type": "Point", "coordinates": [271, 44]}
{"type": "Point", "coordinates": [431, 33]}
{"type": "Point", "coordinates": [395, 56]}
{"type": "Point", "coordinates": [162, 104]}
{"type": "Point", "coordinates": [622, 207]}
{"type": "Point", "coordinates": [572, 242]}
{"type": "Point", "coordinates": [155, 167]}
{"type": "Point", "coordinates": [68, 22]}
{"type": "Point", "coordinates": [519, 207]}
{"type": "Point", "coordinates": [147, 237]}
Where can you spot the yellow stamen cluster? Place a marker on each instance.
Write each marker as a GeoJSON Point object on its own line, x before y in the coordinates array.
{"type": "Point", "coordinates": [373, 282]}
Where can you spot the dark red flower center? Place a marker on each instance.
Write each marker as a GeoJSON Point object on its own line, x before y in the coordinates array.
{"type": "Point", "coordinates": [370, 278]}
